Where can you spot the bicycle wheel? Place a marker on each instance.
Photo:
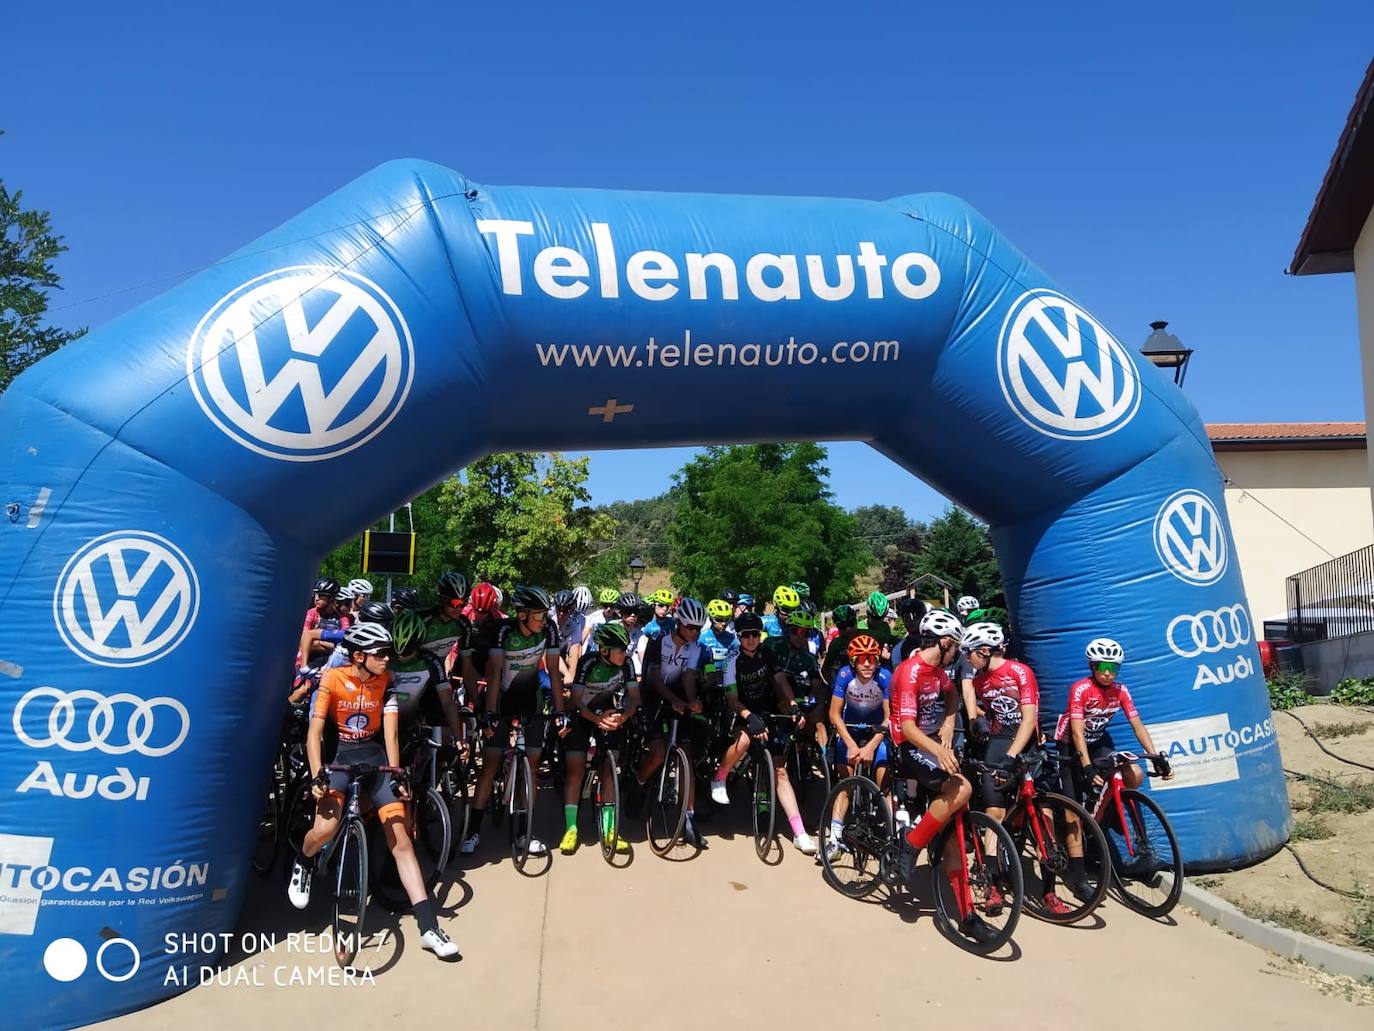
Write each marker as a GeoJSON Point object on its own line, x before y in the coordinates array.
{"type": "Point", "coordinates": [606, 801]}
{"type": "Point", "coordinates": [433, 835]}
{"type": "Point", "coordinates": [350, 890]}
{"type": "Point", "coordinates": [300, 813]}
{"type": "Point", "coordinates": [667, 809]}
{"type": "Point", "coordinates": [815, 773]}
{"type": "Point", "coordinates": [854, 868]}
{"type": "Point", "coordinates": [977, 902]}
{"type": "Point", "coordinates": [269, 831]}
{"type": "Point", "coordinates": [521, 810]}
{"type": "Point", "coordinates": [1042, 839]}
{"type": "Point", "coordinates": [763, 800]}
{"type": "Point", "coordinates": [1147, 868]}
{"type": "Point", "coordinates": [453, 783]}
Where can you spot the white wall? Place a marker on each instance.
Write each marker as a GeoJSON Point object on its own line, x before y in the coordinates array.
{"type": "Point", "coordinates": [1323, 494]}
{"type": "Point", "coordinates": [1364, 303]}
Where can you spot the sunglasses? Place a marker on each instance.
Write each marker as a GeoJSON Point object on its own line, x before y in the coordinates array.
{"type": "Point", "coordinates": [749, 633]}
{"type": "Point", "coordinates": [1107, 667]}
{"type": "Point", "coordinates": [455, 603]}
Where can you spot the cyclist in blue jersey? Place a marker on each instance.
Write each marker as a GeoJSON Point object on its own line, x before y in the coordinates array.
{"type": "Point", "coordinates": [785, 602]}
{"type": "Point", "coordinates": [861, 696]}
{"type": "Point", "coordinates": [662, 622]}
{"type": "Point", "coordinates": [719, 642]}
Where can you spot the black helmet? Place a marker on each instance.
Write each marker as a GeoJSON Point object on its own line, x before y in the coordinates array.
{"type": "Point", "coordinates": [910, 608]}
{"type": "Point", "coordinates": [376, 612]}
{"type": "Point", "coordinates": [452, 584]}
{"type": "Point", "coordinates": [808, 606]}
{"type": "Point", "coordinates": [845, 616]}
{"type": "Point", "coordinates": [563, 600]}
{"type": "Point", "coordinates": [327, 586]}
{"type": "Point", "coordinates": [731, 595]}
{"type": "Point", "coordinates": [530, 599]}
{"type": "Point", "coordinates": [746, 622]}
{"type": "Point", "coordinates": [405, 597]}
{"type": "Point", "coordinates": [628, 602]}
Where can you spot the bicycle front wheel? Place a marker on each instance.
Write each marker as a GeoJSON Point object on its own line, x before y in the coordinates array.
{"type": "Point", "coordinates": [606, 799]}
{"type": "Point", "coordinates": [852, 862]}
{"type": "Point", "coordinates": [433, 835]}
{"type": "Point", "coordinates": [668, 802]}
{"type": "Point", "coordinates": [521, 810]}
{"type": "Point", "coordinates": [350, 891]}
{"type": "Point", "coordinates": [978, 889]}
{"type": "Point", "coordinates": [269, 830]}
{"type": "Point", "coordinates": [1045, 833]}
{"type": "Point", "coordinates": [763, 801]}
{"type": "Point", "coordinates": [1147, 867]}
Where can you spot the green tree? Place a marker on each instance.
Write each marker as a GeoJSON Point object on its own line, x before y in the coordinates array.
{"type": "Point", "coordinates": [899, 560]}
{"type": "Point", "coordinates": [28, 247]}
{"type": "Point", "coordinates": [958, 548]}
{"type": "Point", "coordinates": [435, 548]}
{"type": "Point", "coordinates": [754, 516]}
{"type": "Point", "coordinates": [881, 527]}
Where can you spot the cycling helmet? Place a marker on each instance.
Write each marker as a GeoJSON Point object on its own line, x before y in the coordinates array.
{"type": "Point", "coordinates": [582, 597]}
{"type": "Point", "coordinates": [844, 615]}
{"type": "Point", "coordinates": [691, 612]}
{"type": "Point", "coordinates": [607, 596]}
{"type": "Point", "coordinates": [991, 614]}
{"type": "Point", "coordinates": [367, 637]}
{"type": "Point", "coordinates": [730, 595]}
{"type": "Point", "coordinates": [864, 647]}
{"type": "Point", "coordinates": [627, 602]}
{"type": "Point", "coordinates": [746, 600]}
{"type": "Point", "coordinates": [500, 597]}
{"type": "Point", "coordinates": [483, 597]}
{"type": "Point", "coordinates": [405, 598]}
{"type": "Point", "coordinates": [360, 587]}
{"type": "Point", "coordinates": [530, 599]}
{"type": "Point", "coordinates": [808, 605]}
{"type": "Point", "coordinates": [345, 594]}
{"type": "Point", "coordinates": [564, 600]}
{"type": "Point", "coordinates": [327, 586]}
{"type": "Point", "coordinates": [965, 605]}
{"type": "Point", "coordinates": [611, 634]}
{"type": "Point", "coordinates": [982, 635]}
{"type": "Point", "coordinates": [376, 612]}
{"type": "Point", "coordinates": [877, 604]}
{"type": "Point", "coordinates": [719, 608]}
{"type": "Point", "coordinates": [911, 608]}
{"type": "Point", "coordinates": [786, 598]}
{"type": "Point", "coordinates": [1104, 649]}
{"type": "Point", "coordinates": [662, 596]}
{"type": "Point", "coordinates": [802, 588]}
{"type": "Point", "coordinates": [939, 623]}
{"type": "Point", "coordinates": [408, 631]}
{"type": "Point", "coordinates": [805, 619]}
{"type": "Point", "coordinates": [452, 584]}
{"type": "Point", "coordinates": [748, 622]}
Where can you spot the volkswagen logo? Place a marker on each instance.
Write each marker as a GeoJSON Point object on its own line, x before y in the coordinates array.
{"type": "Point", "coordinates": [126, 598]}
{"type": "Point", "coordinates": [1210, 631]}
{"type": "Point", "coordinates": [80, 721]}
{"type": "Point", "coordinates": [302, 364]}
{"type": "Point", "coordinates": [1060, 370]}
{"type": "Point", "coordinates": [1190, 539]}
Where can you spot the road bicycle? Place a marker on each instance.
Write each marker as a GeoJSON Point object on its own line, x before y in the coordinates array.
{"type": "Point", "coordinates": [512, 795]}
{"type": "Point", "coordinates": [667, 795]}
{"type": "Point", "coordinates": [1147, 867]}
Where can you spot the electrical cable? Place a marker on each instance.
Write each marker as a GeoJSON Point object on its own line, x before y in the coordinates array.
{"type": "Point", "coordinates": [1339, 758]}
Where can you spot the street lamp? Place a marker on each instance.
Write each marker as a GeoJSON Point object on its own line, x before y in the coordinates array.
{"type": "Point", "coordinates": [1166, 351]}
{"type": "Point", "coordinates": [637, 568]}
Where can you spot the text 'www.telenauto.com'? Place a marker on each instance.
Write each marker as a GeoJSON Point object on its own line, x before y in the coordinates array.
{"type": "Point", "coordinates": [688, 354]}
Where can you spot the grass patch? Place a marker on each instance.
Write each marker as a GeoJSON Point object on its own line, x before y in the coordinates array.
{"type": "Point", "coordinates": [1362, 919]}
{"type": "Point", "coordinates": [1355, 796]}
{"type": "Point", "coordinates": [1294, 918]}
{"type": "Point", "coordinates": [1342, 729]}
{"type": "Point", "coordinates": [1311, 828]}
{"type": "Point", "coordinates": [1206, 883]}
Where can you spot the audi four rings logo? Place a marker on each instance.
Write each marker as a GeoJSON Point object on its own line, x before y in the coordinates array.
{"type": "Point", "coordinates": [303, 363]}
{"type": "Point", "coordinates": [126, 598]}
{"type": "Point", "coordinates": [1210, 631]}
{"type": "Point", "coordinates": [80, 721]}
{"type": "Point", "coordinates": [1190, 539]}
{"type": "Point", "coordinates": [1060, 370]}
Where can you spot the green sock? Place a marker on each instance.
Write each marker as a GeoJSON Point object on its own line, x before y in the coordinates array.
{"type": "Point", "coordinates": [607, 822]}
{"type": "Point", "coordinates": [569, 817]}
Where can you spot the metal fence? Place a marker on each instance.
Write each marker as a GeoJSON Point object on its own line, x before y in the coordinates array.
{"type": "Point", "coordinates": [1334, 599]}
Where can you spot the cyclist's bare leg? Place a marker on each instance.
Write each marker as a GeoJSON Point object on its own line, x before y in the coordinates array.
{"type": "Point", "coordinates": [326, 823]}
{"type": "Point", "coordinates": [575, 767]}
{"type": "Point", "coordinates": [733, 755]}
{"type": "Point", "coordinates": [491, 762]}
{"type": "Point", "coordinates": [403, 849]}
{"type": "Point", "coordinates": [653, 759]}
{"type": "Point", "coordinates": [842, 770]}
{"type": "Point", "coordinates": [787, 798]}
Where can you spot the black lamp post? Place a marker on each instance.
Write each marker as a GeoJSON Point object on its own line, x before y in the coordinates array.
{"type": "Point", "coordinates": [637, 568]}
{"type": "Point", "coordinates": [1166, 351]}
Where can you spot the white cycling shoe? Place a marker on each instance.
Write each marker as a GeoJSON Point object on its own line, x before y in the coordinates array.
{"type": "Point", "coordinates": [805, 843]}
{"type": "Point", "coordinates": [536, 847]}
{"type": "Point", "coordinates": [718, 793]}
{"type": "Point", "coordinates": [298, 891]}
{"type": "Point", "coordinates": [469, 845]}
{"type": "Point", "coordinates": [440, 944]}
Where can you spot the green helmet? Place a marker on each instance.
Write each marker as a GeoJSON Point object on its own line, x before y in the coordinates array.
{"type": "Point", "coordinates": [803, 618]}
{"type": "Point", "coordinates": [991, 614]}
{"type": "Point", "coordinates": [844, 615]}
{"type": "Point", "coordinates": [877, 604]}
{"type": "Point", "coordinates": [802, 588]}
{"type": "Point", "coordinates": [607, 595]}
{"type": "Point", "coordinates": [407, 631]}
{"type": "Point", "coordinates": [611, 634]}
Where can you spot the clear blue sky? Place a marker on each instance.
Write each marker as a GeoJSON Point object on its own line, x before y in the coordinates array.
{"type": "Point", "coordinates": [1158, 165]}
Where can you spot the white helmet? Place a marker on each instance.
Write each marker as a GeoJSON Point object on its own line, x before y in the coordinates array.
{"type": "Point", "coordinates": [691, 612]}
{"type": "Point", "coordinates": [939, 623]}
{"type": "Point", "coordinates": [345, 593]}
{"type": "Point", "coordinates": [360, 586]}
{"type": "Point", "coordinates": [966, 604]}
{"type": "Point", "coordinates": [500, 598]}
{"type": "Point", "coordinates": [983, 635]}
{"type": "Point", "coordinates": [1104, 649]}
{"type": "Point", "coordinates": [582, 598]}
{"type": "Point", "coordinates": [366, 637]}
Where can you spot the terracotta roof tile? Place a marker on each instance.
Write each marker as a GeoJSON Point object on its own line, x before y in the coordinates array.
{"type": "Point", "coordinates": [1283, 430]}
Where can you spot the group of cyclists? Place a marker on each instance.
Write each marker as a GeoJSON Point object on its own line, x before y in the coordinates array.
{"type": "Point", "coordinates": [897, 700]}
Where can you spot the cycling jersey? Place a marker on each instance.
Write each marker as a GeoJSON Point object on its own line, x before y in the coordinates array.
{"type": "Point", "coordinates": [522, 652]}
{"type": "Point", "coordinates": [415, 681]}
{"type": "Point", "coordinates": [837, 654]}
{"type": "Point", "coordinates": [719, 647]}
{"type": "Point", "coordinates": [662, 625]}
{"type": "Point", "coordinates": [904, 649]}
{"type": "Point", "coordinates": [918, 694]}
{"type": "Point", "coordinates": [596, 683]}
{"type": "Point", "coordinates": [863, 699]}
{"type": "Point", "coordinates": [481, 640]}
{"type": "Point", "coordinates": [1002, 692]}
{"type": "Point", "coordinates": [751, 677]}
{"type": "Point", "coordinates": [354, 704]}
{"type": "Point", "coordinates": [571, 630]}
{"type": "Point", "coordinates": [672, 658]}
{"type": "Point", "coordinates": [443, 636]}
{"type": "Point", "coordinates": [771, 625]}
{"type": "Point", "coordinates": [798, 664]}
{"type": "Point", "coordinates": [1095, 706]}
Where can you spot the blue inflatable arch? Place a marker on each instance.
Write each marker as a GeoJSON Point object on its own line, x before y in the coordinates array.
{"type": "Point", "coordinates": [176, 476]}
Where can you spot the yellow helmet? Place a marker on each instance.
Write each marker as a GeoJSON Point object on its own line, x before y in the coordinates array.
{"type": "Point", "coordinates": [662, 596]}
{"type": "Point", "coordinates": [786, 598]}
{"type": "Point", "coordinates": [719, 608]}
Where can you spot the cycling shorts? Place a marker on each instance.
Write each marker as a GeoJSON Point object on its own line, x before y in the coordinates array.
{"type": "Point", "coordinates": [861, 738]}
{"type": "Point", "coordinates": [693, 731]}
{"type": "Point", "coordinates": [376, 786]}
{"type": "Point", "coordinates": [921, 766]}
{"type": "Point", "coordinates": [583, 730]}
{"type": "Point", "coordinates": [997, 791]}
{"type": "Point", "coordinates": [522, 700]}
{"type": "Point", "coordinates": [1074, 780]}
{"type": "Point", "coordinates": [779, 736]}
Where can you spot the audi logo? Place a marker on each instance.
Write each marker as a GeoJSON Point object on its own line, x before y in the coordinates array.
{"type": "Point", "coordinates": [1210, 631]}
{"type": "Point", "coordinates": [100, 722]}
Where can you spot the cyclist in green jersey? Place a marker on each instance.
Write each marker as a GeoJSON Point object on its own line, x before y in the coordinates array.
{"type": "Point", "coordinates": [792, 655]}
{"type": "Point", "coordinates": [876, 625]}
{"type": "Point", "coordinates": [606, 698]}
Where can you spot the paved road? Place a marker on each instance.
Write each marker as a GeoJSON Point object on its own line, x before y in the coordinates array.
{"type": "Point", "coordinates": [685, 945]}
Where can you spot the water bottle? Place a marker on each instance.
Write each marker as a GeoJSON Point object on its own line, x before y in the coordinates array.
{"type": "Point", "coordinates": [903, 819]}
